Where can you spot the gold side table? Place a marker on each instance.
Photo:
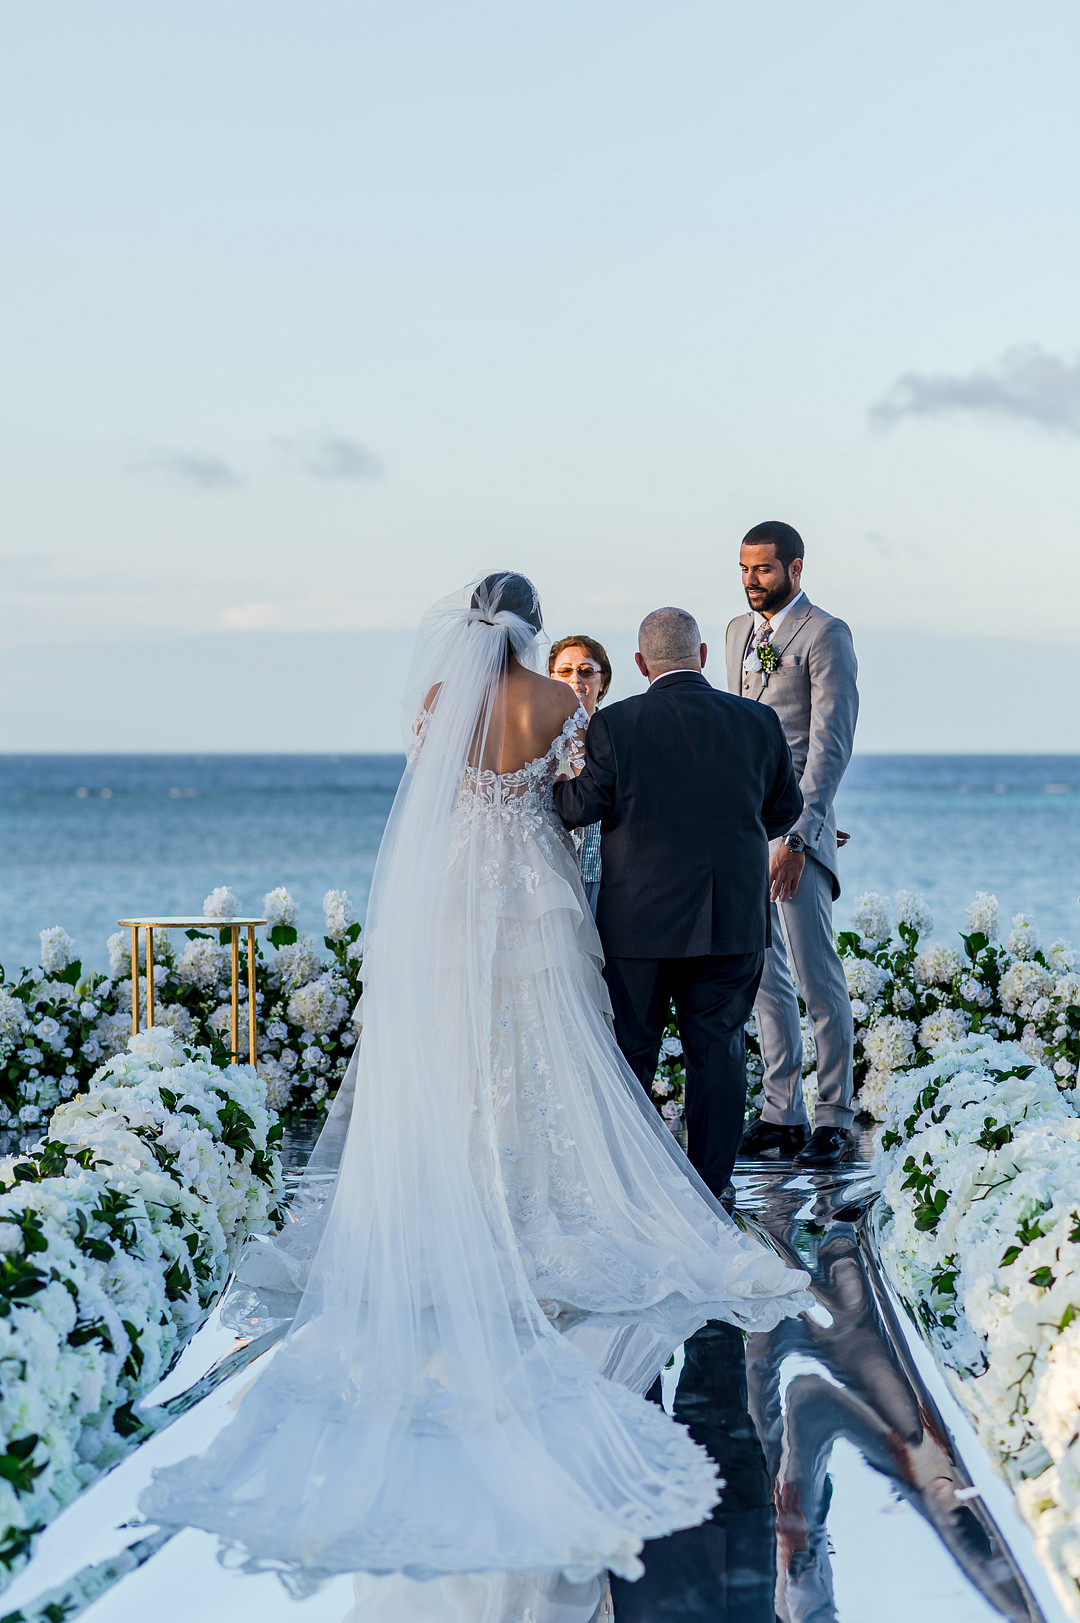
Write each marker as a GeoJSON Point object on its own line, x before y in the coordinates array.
{"type": "Point", "coordinates": [233, 925]}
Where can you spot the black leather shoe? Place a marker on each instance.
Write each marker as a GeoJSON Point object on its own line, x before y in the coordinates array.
{"type": "Point", "coordinates": [828, 1146]}
{"type": "Point", "coordinates": [762, 1137]}
{"type": "Point", "coordinates": [727, 1198]}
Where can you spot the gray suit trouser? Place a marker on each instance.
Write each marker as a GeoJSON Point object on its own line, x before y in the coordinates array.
{"type": "Point", "coordinates": [802, 937]}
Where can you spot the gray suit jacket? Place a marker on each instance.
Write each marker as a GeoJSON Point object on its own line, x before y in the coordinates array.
{"type": "Point", "coordinates": [814, 693]}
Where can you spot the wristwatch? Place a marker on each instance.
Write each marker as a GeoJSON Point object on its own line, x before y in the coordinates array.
{"type": "Point", "coordinates": [794, 842]}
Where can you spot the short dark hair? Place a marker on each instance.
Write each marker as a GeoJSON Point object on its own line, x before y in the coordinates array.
{"type": "Point", "coordinates": [784, 537]}
{"type": "Point", "coordinates": [592, 647]}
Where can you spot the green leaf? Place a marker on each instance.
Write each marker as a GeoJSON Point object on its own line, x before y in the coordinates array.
{"type": "Point", "coordinates": [283, 935]}
{"type": "Point", "coordinates": [1043, 1277]}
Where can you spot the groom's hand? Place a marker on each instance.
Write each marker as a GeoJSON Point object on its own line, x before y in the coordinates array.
{"type": "Point", "coordinates": [785, 871]}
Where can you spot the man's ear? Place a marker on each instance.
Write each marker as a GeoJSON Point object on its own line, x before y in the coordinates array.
{"type": "Point", "coordinates": [704, 654]}
{"type": "Point", "coordinates": [795, 570]}
{"type": "Point", "coordinates": [641, 665]}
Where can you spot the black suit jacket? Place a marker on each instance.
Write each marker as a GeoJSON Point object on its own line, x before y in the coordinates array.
{"type": "Point", "coordinates": [688, 786]}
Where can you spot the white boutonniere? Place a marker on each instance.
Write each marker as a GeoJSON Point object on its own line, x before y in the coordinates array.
{"type": "Point", "coordinates": [763, 658]}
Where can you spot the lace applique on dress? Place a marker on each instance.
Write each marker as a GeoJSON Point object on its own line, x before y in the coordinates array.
{"type": "Point", "coordinates": [512, 804]}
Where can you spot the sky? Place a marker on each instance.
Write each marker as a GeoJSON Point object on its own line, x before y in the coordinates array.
{"type": "Point", "coordinates": [312, 313]}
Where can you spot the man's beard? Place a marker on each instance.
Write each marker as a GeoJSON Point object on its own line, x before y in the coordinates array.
{"type": "Point", "coordinates": [774, 599]}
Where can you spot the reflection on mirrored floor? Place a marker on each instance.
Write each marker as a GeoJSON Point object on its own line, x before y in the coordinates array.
{"type": "Point", "coordinates": [846, 1497]}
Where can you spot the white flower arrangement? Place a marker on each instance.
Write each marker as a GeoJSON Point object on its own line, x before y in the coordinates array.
{"type": "Point", "coordinates": [279, 907]}
{"type": "Point", "coordinates": [117, 1233]}
{"type": "Point", "coordinates": [338, 913]}
{"type": "Point", "coordinates": [221, 904]}
{"type": "Point", "coordinates": [57, 950]}
{"type": "Point", "coordinates": [979, 1172]}
{"type": "Point", "coordinates": [58, 1024]}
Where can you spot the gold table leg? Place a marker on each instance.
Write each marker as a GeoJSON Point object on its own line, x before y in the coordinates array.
{"type": "Point", "coordinates": [252, 1054]}
{"type": "Point", "coordinates": [235, 992]}
{"type": "Point", "coordinates": [149, 975]}
{"type": "Point", "coordinates": [134, 980]}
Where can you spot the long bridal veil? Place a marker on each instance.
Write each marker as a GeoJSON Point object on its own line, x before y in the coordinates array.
{"type": "Point", "coordinates": [423, 1415]}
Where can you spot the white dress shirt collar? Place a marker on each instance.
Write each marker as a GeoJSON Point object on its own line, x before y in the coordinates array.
{"type": "Point", "coordinates": [680, 670]}
{"type": "Point", "coordinates": [759, 619]}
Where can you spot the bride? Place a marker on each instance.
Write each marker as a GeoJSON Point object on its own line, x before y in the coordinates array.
{"type": "Point", "coordinates": [498, 1170]}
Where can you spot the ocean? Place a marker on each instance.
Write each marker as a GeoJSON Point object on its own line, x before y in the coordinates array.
{"type": "Point", "coordinates": [88, 839]}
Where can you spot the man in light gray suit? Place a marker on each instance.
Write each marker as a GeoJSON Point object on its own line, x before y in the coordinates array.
{"type": "Point", "coordinates": [800, 661]}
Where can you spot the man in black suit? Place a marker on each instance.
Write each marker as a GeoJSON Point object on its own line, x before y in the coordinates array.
{"type": "Point", "coordinates": [689, 785]}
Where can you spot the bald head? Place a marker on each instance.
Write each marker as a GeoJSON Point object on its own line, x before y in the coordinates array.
{"type": "Point", "coordinates": [669, 640]}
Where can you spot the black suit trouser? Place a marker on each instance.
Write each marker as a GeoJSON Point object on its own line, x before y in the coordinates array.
{"type": "Point", "coordinates": [713, 998]}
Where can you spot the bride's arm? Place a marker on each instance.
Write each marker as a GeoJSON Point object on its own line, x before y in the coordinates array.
{"type": "Point", "coordinates": [589, 796]}
{"type": "Point", "coordinates": [420, 724]}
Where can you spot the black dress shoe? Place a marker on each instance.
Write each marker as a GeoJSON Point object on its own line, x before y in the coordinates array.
{"type": "Point", "coordinates": [828, 1146]}
{"type": "Point", "coordinates": [762, 1137]}
{"type": "Point", "coordinates": [727, 1198]}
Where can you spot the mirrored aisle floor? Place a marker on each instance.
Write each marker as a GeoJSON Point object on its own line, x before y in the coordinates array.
{"type": "Point", "coordinates": [855, 1492]}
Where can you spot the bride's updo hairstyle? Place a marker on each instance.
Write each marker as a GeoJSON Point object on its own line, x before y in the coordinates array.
{"type": "Point", "coordinates": [503, 594]}
{"type": "Point", "coordinates": [508, 600]}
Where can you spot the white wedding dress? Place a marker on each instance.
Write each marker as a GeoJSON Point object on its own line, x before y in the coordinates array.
{"type": "Point", "coordinates": [497, 1168]}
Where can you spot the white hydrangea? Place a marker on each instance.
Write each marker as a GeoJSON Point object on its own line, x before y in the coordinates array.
{"type": "Point", "coordinates": [179, 1020]}
{"type": "Point", "coordinates": [203, 964]}
{"type": "Point", "coordinates": [1021, 984]}
{"type": "Point", "coordinates": [982, 915]}
{"type": "Point", "coordinates": [1023, 940]}
{"type": "Point", "coordinates": [1061, 957]}
{"type": "Point", "coordinates": [945, 1025]}
{"type": "Point", "coordinates": [866, 979]}
{"type": "Point", "coordinates": [339, 914]}
{"type": "Point", "coordinates": [889, 1043]}
{"type": "Point", "coordinates": [661, 1086]}
{"type": "Point", "coordinates": [57, 950]}
{"type": "Point", "coordinates": [221, 904]}
{"type": "Point", "coordinates": [870, 918]}
{"type": "Point", "coordinates": [973, 991]}
{"type": "Point", "coordinates": [278, 1083]}
{"type": "Point", "coordinates": [1067, 990]}
{"type": "Point", "coordinates": [320, 1006]}
{"type": "Point", "coordinates": [13, 1021]}
{"type": "Point", "coordinates": [295, 965]}
{"type": "Point", "coordinates": [119, 946]}
{"type": "Point", "coordinates": [220, 1021]}
{"type": "Point", "coordinates": [913, 911]}
{"type": "Point", "coordinates": [937, 966]}
{"type": "Point", "coordinates": [874, 1094]}
{"type": "Point", "coordinates": [279, 907]}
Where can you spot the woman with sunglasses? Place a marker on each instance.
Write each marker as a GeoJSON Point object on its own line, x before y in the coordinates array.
{"type": "Point", "coordinates": [582, 662]}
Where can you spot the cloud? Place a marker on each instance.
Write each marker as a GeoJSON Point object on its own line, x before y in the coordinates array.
{"type": "Point", "coordinates": [200, 470]}
{"type": "Point", "coordinates": [333, 457]}
{"type": "Point", "coordinates": [1027, 383]}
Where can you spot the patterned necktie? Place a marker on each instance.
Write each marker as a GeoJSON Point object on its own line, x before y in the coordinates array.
{"type": "Point", "coordinates": [764, 634]}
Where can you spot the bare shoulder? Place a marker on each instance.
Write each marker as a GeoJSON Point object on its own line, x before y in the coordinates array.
{"type": "Point", "coordinates": [548, 698]}
{"type": "Point", "coordinates": [431, 696]}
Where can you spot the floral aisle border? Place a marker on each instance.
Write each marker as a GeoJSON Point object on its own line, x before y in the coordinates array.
{"type": "Point", "coordinates": [57, 1023]}
{"type": "Point", "coordinates": [117, 1234]}
{"type": "Point", "coordinates": [979, 1168]}
{"type": "Point", "coordinates": [908, 995]}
